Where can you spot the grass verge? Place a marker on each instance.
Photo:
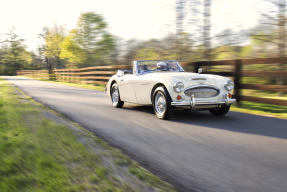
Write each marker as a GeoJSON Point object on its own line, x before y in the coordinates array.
{"type": "Point", "coordinates": [87, 86]}
{"type": "Point", "coordinates": [264, 94]}
{"type": "Point", "coordinates": [41, 151]}
{"type": "Point", "coordinates": [81, 85]}
{"type": "Point", "coordinates": [261, 109]}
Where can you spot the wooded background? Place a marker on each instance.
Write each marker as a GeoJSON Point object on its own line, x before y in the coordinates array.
{"type": "Point", "coordinates": [90, 44]}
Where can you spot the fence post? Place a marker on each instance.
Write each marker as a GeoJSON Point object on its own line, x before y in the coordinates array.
{"type": "Point", "coordinates": [196, 67]}
{"type": "Point", "coordinates": [237, 79]}
{"type": "Point", "coordinates": [78, 74]}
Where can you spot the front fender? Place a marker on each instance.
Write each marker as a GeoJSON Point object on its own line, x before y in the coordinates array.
{"type": "Point", "coordinates": [168, 85]}
{"type": "Point", "coordinates": [109, 84]}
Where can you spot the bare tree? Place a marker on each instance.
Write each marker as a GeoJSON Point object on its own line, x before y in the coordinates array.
{"type": "Point", "coordinates": [273, 30]}
{"type": "Point", "coordinates": [206, 29]}
{"type": "Point", "coordinates": [274, 19]}
{"type": "Point", "coordinates": [281, 38]}
{"type": "Point", "coordinates": [193, 11]}
{"type": "Point", "coordinates": [180, 6]}
{"type": "Point", "coordinates": [281, 28]}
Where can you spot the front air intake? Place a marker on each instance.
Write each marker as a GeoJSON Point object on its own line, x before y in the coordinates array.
{"type": "Point", "coordinates": [202, 92]}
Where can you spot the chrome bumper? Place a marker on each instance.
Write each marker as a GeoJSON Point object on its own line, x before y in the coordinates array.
{"type": "Point", "coordinates": [196, 102]}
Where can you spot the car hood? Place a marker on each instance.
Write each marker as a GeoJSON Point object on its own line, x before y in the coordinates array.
{"type": "Point", "coordinates": [187, 78]}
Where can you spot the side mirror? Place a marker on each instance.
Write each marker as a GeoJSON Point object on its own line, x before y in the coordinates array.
{"type": "Point", "coordinates": [199, 70]}
{"type": "Point", "coordinates": [120, 73]}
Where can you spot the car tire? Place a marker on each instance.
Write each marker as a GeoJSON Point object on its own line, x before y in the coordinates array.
{"type": "Point", "coordinates": [115, 96]}
{"type": "Point", "coordinates": [220, 111]}
{"type": "Point", "coordinates": [162, 103]}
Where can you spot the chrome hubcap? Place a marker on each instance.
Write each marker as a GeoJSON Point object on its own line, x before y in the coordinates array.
{"type": "Point", "coordinates": [160, 103]}
{"type": "Point", "coordinates": [115, 95]}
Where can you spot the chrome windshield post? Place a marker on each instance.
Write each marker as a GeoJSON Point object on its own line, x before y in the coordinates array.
{"type": "Point", "coordinates": [135, 68]}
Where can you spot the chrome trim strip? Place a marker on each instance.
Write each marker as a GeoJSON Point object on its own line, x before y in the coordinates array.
{"type": "Point", "coordinates": [198, 78]}
{"type": "Point", "coordinates": [194, 103]}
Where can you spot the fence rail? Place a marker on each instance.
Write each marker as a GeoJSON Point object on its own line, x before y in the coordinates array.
{"type": "Point", "coordinates": [238, 73]}
{"type": "Point", "coordinates": [88, 75]}
{"type": "Point", "coordinates": [101, 74]}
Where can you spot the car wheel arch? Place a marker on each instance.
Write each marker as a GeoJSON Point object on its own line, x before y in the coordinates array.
{"type": "Point", "coordinates": [113, 82]}
{"type": "Point", "coordinates": [155, 87]}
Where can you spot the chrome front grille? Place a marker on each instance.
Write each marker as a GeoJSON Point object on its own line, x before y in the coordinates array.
{"type": "Point", "coordinates": [202, 92]}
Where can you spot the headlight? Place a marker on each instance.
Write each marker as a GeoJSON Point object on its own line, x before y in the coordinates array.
{"type": "Point", "coordinates": [229, 85]}
{"type": "Point", "coordinates": [178, 87]}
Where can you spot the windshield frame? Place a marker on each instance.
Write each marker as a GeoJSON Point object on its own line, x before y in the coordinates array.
{"type": "Point", "coordinates": [137, 63]}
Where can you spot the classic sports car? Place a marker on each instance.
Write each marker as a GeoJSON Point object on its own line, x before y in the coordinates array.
{"type": "Point", "coordinates": [165, 86]}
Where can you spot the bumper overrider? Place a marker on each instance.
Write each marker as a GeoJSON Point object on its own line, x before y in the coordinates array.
{"type": "Point", "coordinates": [199, 102]}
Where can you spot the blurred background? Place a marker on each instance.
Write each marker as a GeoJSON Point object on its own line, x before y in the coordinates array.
{"type": "Point", "coordinates": [48, 35]}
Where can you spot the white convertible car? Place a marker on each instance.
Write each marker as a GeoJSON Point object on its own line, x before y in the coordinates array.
{"type": "Point", "coordinates": [165, 86]}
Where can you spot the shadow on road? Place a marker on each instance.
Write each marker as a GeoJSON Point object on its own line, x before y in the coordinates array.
{"type": "Point", "coordinates": [233, 121]}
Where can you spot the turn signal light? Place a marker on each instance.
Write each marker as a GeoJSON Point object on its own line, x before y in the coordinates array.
{"type": "Point", "coordinates": [178, 97]}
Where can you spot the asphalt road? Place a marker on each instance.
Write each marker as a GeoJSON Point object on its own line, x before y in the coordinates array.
{"type": "Point", "coordinates": [195, 151]}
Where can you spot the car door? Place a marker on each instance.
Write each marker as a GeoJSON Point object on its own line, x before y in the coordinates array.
{"type": "Point", "coordinates": [142, 88]}
{"type": "Point", "coordinates": [126, 88]}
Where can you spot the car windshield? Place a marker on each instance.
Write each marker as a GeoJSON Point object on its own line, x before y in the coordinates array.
{"type": "Point", "coordinates": [156, 66]}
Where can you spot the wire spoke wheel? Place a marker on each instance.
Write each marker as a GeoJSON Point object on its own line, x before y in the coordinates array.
{"type": "Point", "coordinates": [115, 95]}
{"type": "Point", "coordinates": [160, 103]}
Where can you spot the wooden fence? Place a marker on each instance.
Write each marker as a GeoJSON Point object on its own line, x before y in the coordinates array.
{"type": "Point", "coordinates": [237, 72]}
{"type": "Point", "coordinates": [232, 68]}
{"type": "Point", "coordinates": [89, 75]}
{"type": "Point", "coordinates": [38, 74]}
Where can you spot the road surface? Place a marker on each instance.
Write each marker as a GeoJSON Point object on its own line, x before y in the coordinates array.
{"type": "Point", "coordinates": [195, 151]}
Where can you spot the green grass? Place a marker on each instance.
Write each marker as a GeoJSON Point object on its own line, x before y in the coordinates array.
{"type": "Point", "coordinates": [87, 86]}
{"type": "Point", "coordinates": [264, 94]}
{"type": "Point", "coordinates": [81, 85]}
{"type": "Point", "coordinates": [38, 154]}
{"type": "Point", "coordinates": [261, 109]}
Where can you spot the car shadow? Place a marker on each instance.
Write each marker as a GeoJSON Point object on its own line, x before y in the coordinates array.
{"type": "Point", "coordinates": [233, 121]}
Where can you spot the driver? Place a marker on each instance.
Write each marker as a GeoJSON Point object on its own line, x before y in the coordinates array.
{"type": "Point", "coordinates": [161, 66]}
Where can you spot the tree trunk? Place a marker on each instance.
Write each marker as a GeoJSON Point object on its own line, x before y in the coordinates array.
{"type": "Point", "coordinates": [281, 38]}
{"type": "Point", "coordinates": [179, 27]}
{"type": "Point", "coordinates": [206, 32]}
